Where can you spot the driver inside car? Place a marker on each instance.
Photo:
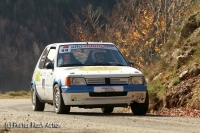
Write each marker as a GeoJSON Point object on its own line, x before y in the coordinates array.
{"type": "Point", "coordinates": [99, 57]}
{"type": "Point", "coordinates": [68, 58]}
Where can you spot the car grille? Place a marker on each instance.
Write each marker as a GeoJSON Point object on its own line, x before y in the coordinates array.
{"type": "Point", "coordinates": [95, 80]}
{"type": "Point", "coordinates": [107, 94]}
{"type": "Point", "coordinates": [92, 81]}
{"type": "Point", "coordinates": [118, 80]}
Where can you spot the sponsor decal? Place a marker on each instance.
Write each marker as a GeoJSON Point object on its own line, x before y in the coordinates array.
{"type": "Point", "coordinates": [68, 48]}
{"type": "Point", "coordinates": [108, 89]}
{"type": "Point", "coordinates": [99, 68]}
{"type": "Point", "coordinates": [86, 46]}
{"type": "Point", "coordinates": [70, 68]}
{"type": "Point", "coordinates": [43, 83]}
{"type": "Point", "coordinates": [37, 76]}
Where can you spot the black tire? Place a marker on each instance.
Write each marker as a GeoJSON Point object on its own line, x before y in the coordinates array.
{"type": "Point", "coordinates": [36, 104]}
{"type": "Point", "coordinates": [107, 110]}
{"type": "Point", "coordinates": [59, 106]}
{"type": "Point", "coordinates": [140, 108]}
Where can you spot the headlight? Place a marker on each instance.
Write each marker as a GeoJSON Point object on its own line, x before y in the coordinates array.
{"type": "Point", "coordinates": [75, 81]}
{"type": "Point", "coordinates": [78, 81]}
{"type": "Point", "coordinates": [136, 80]}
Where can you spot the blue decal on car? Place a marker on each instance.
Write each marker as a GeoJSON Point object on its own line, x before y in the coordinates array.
{"type": "Point", "coordinates": [57, 81]}
{"type": "Point", "coordinates": [33, 83]}
{"type": "Point", "coordinates": [87, 89]}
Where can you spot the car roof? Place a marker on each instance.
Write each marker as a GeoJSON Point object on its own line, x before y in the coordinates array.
{"type": "Point", "coordinates": [70, 43]}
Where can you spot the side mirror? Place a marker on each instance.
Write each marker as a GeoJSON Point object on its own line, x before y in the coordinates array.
{"type": "Point", "coordinates": [49, 65]}
{"type": "Point", "coordinates": [131, 63]}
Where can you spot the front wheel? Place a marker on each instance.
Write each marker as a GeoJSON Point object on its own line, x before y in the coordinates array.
{"type": "Point", "coordinates": [140, 108]}
{"type": "Point", "coordinates": [36, 103]}
{"type": "Point", "coordinates": [59, 106]}
{"type": "Point", "coordinates": [107, 110]}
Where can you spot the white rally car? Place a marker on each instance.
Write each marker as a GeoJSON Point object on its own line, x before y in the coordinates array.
{"type": "Point", "coordinates": [87, 75]}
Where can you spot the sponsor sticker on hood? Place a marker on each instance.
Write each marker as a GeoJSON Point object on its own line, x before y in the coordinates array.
{"type": "Point", "coordinates": [99, 68]}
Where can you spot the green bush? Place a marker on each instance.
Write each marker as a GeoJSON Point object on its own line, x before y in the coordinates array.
{"type": "Point", "coordinates": [175, 81]}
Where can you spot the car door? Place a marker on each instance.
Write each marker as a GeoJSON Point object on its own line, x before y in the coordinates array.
{"type": "Point", "coordinates": [48, 75]}
{"type": "Point", "coordinates": [39, 74]}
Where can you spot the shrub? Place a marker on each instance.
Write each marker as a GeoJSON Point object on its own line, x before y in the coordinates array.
{"type": "Point", "coordinates": [175, 81]}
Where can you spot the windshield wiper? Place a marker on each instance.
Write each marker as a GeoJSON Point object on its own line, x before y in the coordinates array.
{"type": "Point", "coordinates": [74, 64]}
{"type": "Point", "coordinates": [119, 65]}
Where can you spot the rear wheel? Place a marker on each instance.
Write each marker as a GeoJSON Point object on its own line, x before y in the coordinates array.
{"type": "Point", "coordinates": [140, 108]}
{"type": "Point", "coordinates": [107, 110]}
{"type": "Point", "coordinates": [59, 106]}
{"type": "Point", "coordinates": [36, 103]}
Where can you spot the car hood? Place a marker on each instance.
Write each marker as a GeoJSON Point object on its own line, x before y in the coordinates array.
{"type": "Point", "coordinates": [98, 71]}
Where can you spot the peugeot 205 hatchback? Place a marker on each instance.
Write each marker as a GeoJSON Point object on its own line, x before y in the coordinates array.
{"type": "Point", "coordinates": [87, 75]}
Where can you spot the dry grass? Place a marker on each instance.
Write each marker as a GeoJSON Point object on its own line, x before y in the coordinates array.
{"type": "Point", "coordinates": [3, 131]}
{"type": "Point", "coordinates": [16, 94]}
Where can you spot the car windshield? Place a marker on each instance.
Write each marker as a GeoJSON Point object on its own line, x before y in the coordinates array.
{"type": "Point", "coordinates": [90, 55]}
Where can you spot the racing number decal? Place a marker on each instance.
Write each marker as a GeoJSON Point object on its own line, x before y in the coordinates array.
{"type": "Point", "coordinates": [43, 83]}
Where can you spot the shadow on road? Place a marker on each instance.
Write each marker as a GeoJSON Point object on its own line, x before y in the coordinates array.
{"type": "Point", "coordinates": [113, 114]}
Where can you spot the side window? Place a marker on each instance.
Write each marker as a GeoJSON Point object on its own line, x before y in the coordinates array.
{"type": "Point", "coordinates": [51, 55]}
{"type": "Point", "coordinates": [42, 60]}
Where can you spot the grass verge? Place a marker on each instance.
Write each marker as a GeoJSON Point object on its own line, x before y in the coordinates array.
{"type": "Point", "coordinates": [16, 94]}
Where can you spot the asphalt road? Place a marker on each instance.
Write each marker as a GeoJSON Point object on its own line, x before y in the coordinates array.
{"type": "Point", "coordinates": [16, 115]}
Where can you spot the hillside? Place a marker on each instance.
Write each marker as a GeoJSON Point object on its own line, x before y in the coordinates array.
{"type": "Point", "coordinates": [175, 81]}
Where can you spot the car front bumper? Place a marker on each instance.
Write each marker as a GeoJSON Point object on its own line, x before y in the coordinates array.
{"type": "Point", "coordinates": [80, 95]}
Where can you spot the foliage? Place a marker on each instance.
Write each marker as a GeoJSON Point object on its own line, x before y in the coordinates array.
{"type": "Point", "coordinates": [196, 58]}
{"type": "Point", "coordinates": [156, 89]}
{"type": "Point", "coordinates": [178, 112]}
{"type": "Point", "coordinates": [139, 28]}
{"type": "Point", "coordinates": [167, 64]}
{"type": "Point", "coordinates": [175, 81]}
